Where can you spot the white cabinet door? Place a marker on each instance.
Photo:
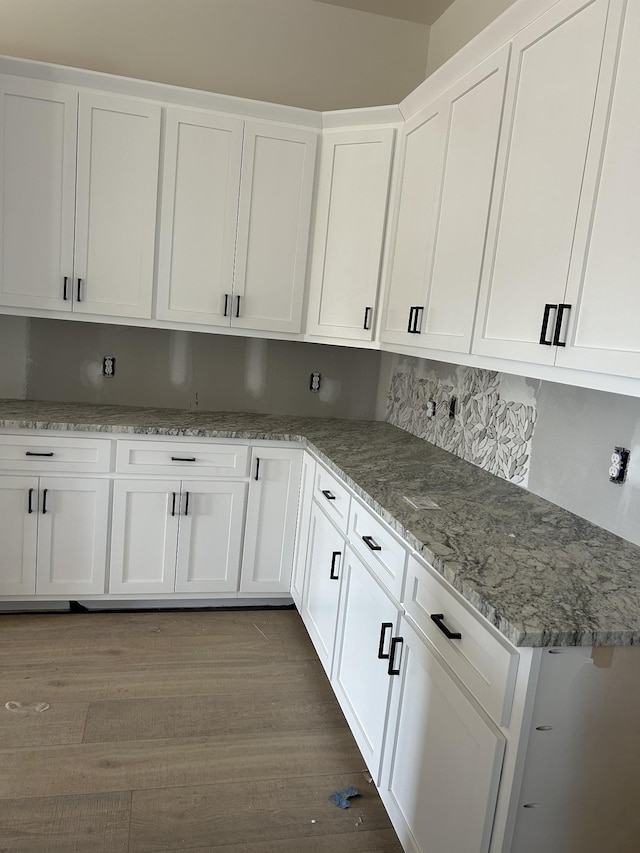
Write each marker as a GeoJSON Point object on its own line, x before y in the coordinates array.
{"type": "Point", "coordinates": [272, 510]}
{"type": "Point", "coordinates": [474, 116]}
{"type": "Point", "coordinates": [18, 534]}
{"type": "Point", "coordinates": [442, 760]}
{"type": "Point", "coordinates": [604, 321]}
{"type": "Point", "coordinates": [361, 681]}
{"type": "Point", "coordinates": [351, 213]}
{"type": "Point", "coordinates": [322, 588]}
{"type": "Point", "coordinates": [276, 190]}
{"type": "Point", "coordinates": [302, 529]}
{"type": "Point", "coordinates": [144, 536]}
{"type": "Point", "coordinates": [118, 148]}
{"type": "Point", "coordinates": [37, 193]}
{"type": "Point", "coordinates": [210, 536]}
{"type": "Point", "coordinates": [424, 138]}
{"type": "Point", "coordinates": [199, 212]}
{"type": "Point", "coordinates": [72, 535]}
{"type": "Point", "coordinates": [551, 93]}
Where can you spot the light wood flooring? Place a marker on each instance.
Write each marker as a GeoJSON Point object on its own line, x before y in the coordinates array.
{"type": "Point", "coordinates": [190, 731]}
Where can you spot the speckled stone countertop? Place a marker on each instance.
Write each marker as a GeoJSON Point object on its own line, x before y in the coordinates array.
{"type": "Point", "coordinates": [538, 573]}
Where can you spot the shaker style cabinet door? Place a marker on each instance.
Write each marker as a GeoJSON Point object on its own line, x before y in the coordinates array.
{"type": "Point", "coordinates": [72, 535]}
{"type": "Point", "coordinates": [551, 95]}
{"type": "Point", "coordinates": [442, 759]}
{"type": "Point", "coordinates": [351, 213]}
{"type": "Point", "coordinates": [118, 150]}
{"type": "Point", "coordinates": [603, 332]}
{"type": "Point", "coordinates": [199, 211]}
{"type": "Point", "coordinates": [37, 193]}
{"type": "Point", "coordinates": [276, 191]}
{"type": "Point", "coordinates": [18, 534]}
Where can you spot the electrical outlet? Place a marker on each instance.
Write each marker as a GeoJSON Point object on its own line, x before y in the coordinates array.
{"type": "Point", "coordinates": [109, 366]}
{"type": "Point", "coordinates": [453, 405]}
{"type": "Point", "coordinates": [314, 382]}
{"type": "Point", "coordinates": [619, 464]}
{"type": "Point", "coordinates": [431, 408]}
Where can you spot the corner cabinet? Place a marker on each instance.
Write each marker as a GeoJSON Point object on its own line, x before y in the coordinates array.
{"type": "Point", "coordinates": [78, 179]}
{"type": "Point", "coordinates": [448, 162]}
{"type": "Point", "coordinates": [351, 213]}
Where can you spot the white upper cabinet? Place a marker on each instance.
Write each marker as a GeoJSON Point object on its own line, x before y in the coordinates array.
{"type": "Point", "coordinates": [603, 332]}
{"type": "Point", "coordinates": [199, 211]}
{"type": "Point", "coordinates": [37, 193]}
{"type": "Point", "coordinates": [443, 208]}
{"type": "Point", "coordinates": [351, 210]}
{"type": "Point", "coordinates": [276, 192]}
{"type": "Point", "coordinates": [118, 149]}
{"type": "Point", "coordinates": [557, 63]}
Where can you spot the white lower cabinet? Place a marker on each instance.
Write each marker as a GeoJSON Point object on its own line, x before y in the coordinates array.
{"type": "Point", "coordinates": [322, 586]}
{"type": "Point", "coordinates": [442, 764]}
{"type": "Point", "coordinates": [272, 511]}
{"type": "Point", "coordinates": [176, 536]}
{"type": "Point", "coordinates": [367, 626]}
{"type": "Point", "coordinates": [54, 535]}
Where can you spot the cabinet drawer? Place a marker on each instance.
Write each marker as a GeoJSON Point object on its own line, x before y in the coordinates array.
{"type": "Point", "coordinates": [483, 661]}
{"type": "Point", "coordinates": [36, 453]}
{"type": "Point", "coordinates": [333, 497]}
{"type": "Point", "coordinates": [182, 459]}
{"type": "Point", "coordinates": [377, 546]}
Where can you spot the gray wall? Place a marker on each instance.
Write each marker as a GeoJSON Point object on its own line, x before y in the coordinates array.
{"type": "Point", "coordinates": [190, 370]}
{"type": "Point", "coordinates": [295, 52]}
{"type": "Point", "coordinates": [14, 343]}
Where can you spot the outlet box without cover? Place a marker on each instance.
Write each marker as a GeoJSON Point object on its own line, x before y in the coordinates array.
{"type": "Point", "coordinates": [109, 366]}
{"type": "Point", "coordinates": [314, 382]}
{"type": "Point", "coordinates": [619, 464]}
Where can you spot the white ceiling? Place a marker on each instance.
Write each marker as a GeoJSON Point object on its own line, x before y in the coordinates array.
{"type": "Point", "coordinates": [420, 11]}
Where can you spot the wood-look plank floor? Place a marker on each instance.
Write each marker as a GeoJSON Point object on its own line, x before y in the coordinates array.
{"type": "Point", "coordinates": [204, 732]}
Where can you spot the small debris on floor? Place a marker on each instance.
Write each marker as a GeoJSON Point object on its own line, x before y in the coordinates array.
{"type": "Point", "coordinates": [342, 798]}
{"type": "Point", "coordinates": [25, 707]}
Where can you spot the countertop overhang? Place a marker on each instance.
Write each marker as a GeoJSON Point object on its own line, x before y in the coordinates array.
{"type": "Point", "coordinates": [541, 575]}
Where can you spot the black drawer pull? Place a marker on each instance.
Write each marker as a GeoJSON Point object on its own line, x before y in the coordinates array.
{"type": "Point", "coordinates": [370, 542]}
{"type": "Point", "coordinates": [44, 501]}
{"type": "Point", "coordinates": [186, 503]}
{"type": "Point", "coordinates": [183, 458]}
{"type": "Point", "coordinates": [558, 330]}
{"type": "Point", "coordinates": [30, 506]}
{"type": "Point", "coordinates": [332, 574]}
{"type": "Point", "coordinates": [383, 634]}
{"type": "Point", "coordinates": [545, 323]}
{"type": "Point", "coordinates": [173, 504]}
{"type": "Point", "coordinates": [395, 642]}
{"type": "Point", "coordinates": [33, 453]}
{"type": "Point", "coordinates": [328, 495]}
{"type": "Point", "coordinates": [438, 618]}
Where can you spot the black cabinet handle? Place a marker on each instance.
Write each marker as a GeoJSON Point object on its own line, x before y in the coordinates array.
{"type": "Point", "coordinates": [410, 323]}
{"type": "Point", "coordinates": [257, 477]}
{"type": "Point", "coordinates": [438, 618]}
{"type": "Point", "coordinates": [395, 642]}
{"type": "Point", "coordinates": [183, 458]}
{"type": "Point", "coordinates": [367, 318]}
{"type": "Point", "coordinates": [414, 318]}
{"type": "Point", "coordinates": [30, 505]}
{"type": "Point", "coordinates": [383, 633]}
{"type": "Point", "coordinates": [328, 495]}
{"type": "Point", "coordinates": [44, 501]}
{"type": "Point", "coordinates": [186, 503]}
{"type": "Point", "coordinates": [332, 573]}
{"type": "Point", "coordinates": [173, 504]}
{"type": "Point", "coordinates": [79, 291]}
{"type": "Point", "coordinates": [545, 322]}
{"type": "Point", "coordinates": [226, 305]}
{"type": "Point", "coordinates": [558, 330]}
{"type": "Point", "coordinates": [371, 543]}
{"type": "Point", "coordinates": [237, 305]}
{"type": "Point", "coordinates": [34, 453]}
{"type": "Point", "coordinates": [65, 289]}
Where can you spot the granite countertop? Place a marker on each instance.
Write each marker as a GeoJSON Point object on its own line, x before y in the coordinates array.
{"type": "Point", "coordinates": [540, 574]}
